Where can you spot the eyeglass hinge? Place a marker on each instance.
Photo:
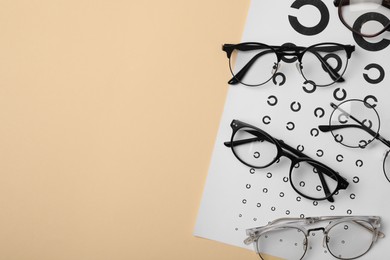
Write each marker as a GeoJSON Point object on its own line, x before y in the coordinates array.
{"type": "Point", "coordinates": [249, 240]}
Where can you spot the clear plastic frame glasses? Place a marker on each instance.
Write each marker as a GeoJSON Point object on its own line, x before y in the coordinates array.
{"type": "Point", "coordinates": [367, 18]}
{"type": "Point", "coordinates": [308, 177]}
{"type": "Point", "coordinates": [355, 123]}
{"type": "Point", "coordinates": [254, 64]}
{"type": "Point", "coordinates": [345, 237]}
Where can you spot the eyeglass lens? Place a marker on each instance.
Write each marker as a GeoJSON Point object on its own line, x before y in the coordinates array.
{"type": "Point", "coordinates": [354, 123]}
{"type": "Point", "coordinates": [253, 148]}
{"type": "Point", "coordinates": [372, 14]}
{"type": "Point", "coordinates": [324, 64]}
{"type": "Point", "coordinates": [346, 240]}
{"type": "Point", "coordinates": [307, 181]}
{"type": "Point", "coordinates": [255, 66]}
{"type": "Point", "coordinates": [350, 239]}
{"type": "Point", "coordinates": [386, 165]}
{"type": "Point", "coordinates": [284, 243]}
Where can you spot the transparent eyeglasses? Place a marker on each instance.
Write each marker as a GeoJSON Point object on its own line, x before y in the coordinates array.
{"type": "Point", "coordinates": [308, 177]}
{"type": "Point", "coordinates": [345, 237]}
{"type": "Point", "coordinates": [254, 64]}
{"type": "Point", "coordinates": [355, 123]}
{"type": "Point", "coordinates": [367, 18]}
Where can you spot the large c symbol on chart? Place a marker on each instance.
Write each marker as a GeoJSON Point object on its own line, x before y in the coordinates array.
{"type": "Point", "coordinates": [322, 24]}
{"type": "Point", "coordinates": [367, 17]}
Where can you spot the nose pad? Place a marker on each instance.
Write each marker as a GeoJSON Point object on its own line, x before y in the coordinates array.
{"type": "Point", "coordinates": [305, 244]}
{"type": "Point", "coordinates": [298, 66]}
{"type": "Point", "coordinates": [275, 68]}
{"type": "Point", "coordinates": [325, 241]}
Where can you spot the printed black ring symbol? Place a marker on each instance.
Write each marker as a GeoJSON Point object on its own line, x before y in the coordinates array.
{"type": "Point", "coordinates": [290, 126]}
{"type": "Point", "coordinates": [341, 116]}
{"type": "Point", "coordinates": [339, 98]}
{"type": "Point", "coordinates": [367, 123]}
{"type": "Point", "coordinates": [337, 58]}
{"type": "Point", "coordinates": [320, 153]}
{"type": "Point", "coordinates": [266, 120]}
{"type": "Point", "coordinates": [363, 144]}
{"type": "Point", "coordinates": [309, 82]}
{"type": "Point", "coordinates": [338, 138]}
{"type": "Point", "coordinates": [359, 163]}
{"type": "Point", "coordinates": [360, 21]}
{"type": "Point", "coordinates": [319, 112]}
{"type": "Point", "coordinates": [272, 100]}
{"type": "Point", "coordinates": [314, 132]}
{"type": "Point", "coordinates": [322, 24]}
{"type": "Point", "coordinates": [339, 157]}
{"type": "Point", "coordinates": [281, 75]}
{"type": "Point", "coordinates": [372, 98]}
{"type": "Point", "coordinates": [380, 70]}
{"type": "Point", "coordinates": [295, 106]}
{"type": "Point", "coordinates": [300, 148]}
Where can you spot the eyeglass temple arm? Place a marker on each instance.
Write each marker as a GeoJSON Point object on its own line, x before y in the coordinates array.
{"type": "Point", "coordinates": [327, 128]}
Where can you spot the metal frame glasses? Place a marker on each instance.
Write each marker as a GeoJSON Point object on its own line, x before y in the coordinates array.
{"type": "Point", "coordinates": [356, 15]}
{"type": "Point", "coordinates": [254, 64]}
{"type": "Point", "coordinates": [308, 177]}
{"type": "Point", "coordinates": [345, 237]}
{"type": "Point", "coordinates": [355, 123]}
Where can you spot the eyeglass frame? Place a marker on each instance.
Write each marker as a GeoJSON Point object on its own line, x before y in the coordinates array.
{"type": "Point", "coordinates": [361, 125]}
{"type": "Point", "coordinates": [299, 223]}
{"type": "Point", "coordinates": [294, 155]}
{"type": "Point", "coordinates": [340, 3]}
{"type": "Point", "coordinates": [282, 51]}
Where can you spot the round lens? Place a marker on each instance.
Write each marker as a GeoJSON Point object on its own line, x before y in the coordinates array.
{"type": "Point", "coordinates": [365, 17]}
{"type": "Point", "coordinates": [253, 64]}
{"type": "Point", "coordinates": [386, 165]}
{"type": "Point", "coordinates": [354, 123]}
{"type": "Point", "coordinates": [324, 64]}
{"type": "Point", "coordinates": [313, 180]}
{"type": "Point", "coordinates": [284, 243]}
{"type": "Point", "coordinates": [254, 148]}
{"type": "Point", "coordinates": [350, 239]}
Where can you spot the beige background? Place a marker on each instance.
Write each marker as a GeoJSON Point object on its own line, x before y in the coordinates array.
{"type": "Point", "coordinates": [109, 110]}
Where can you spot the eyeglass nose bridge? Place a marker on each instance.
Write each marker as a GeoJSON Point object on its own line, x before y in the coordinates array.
{"type": "Point", "coordinates": [324, 241]}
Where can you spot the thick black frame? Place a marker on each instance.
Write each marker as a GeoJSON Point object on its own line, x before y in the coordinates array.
{"type": "Point", "coordinates": [283, 51]}
{"type": "Point", "coordinates": [294, 155]}
{"type": "Point", "coordinates": [340, 3]}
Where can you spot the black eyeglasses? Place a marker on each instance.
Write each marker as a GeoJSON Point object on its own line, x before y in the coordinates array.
{"type": "Point", "coordinates": [355, 123]}
{"type": "Point", "coordinates": [254, 64]}
{"type": "Point", "coordinates": [367, 18]}
{"type": "Point", "coordinates": [308, 177]}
